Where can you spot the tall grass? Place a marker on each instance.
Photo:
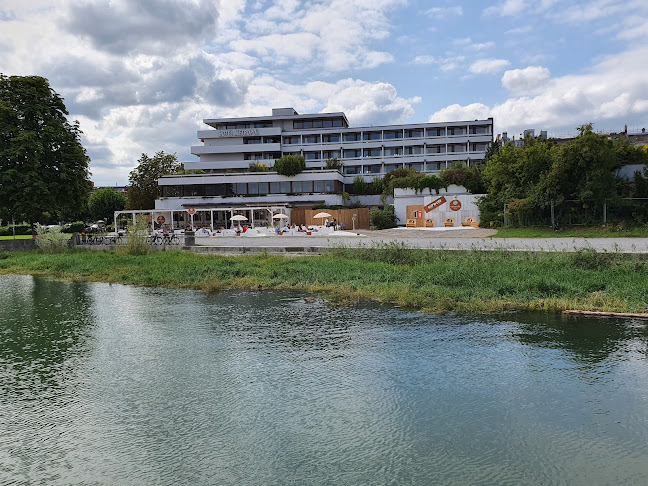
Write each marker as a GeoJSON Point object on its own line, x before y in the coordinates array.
{"type": "Point", "coordinates": [430, 280]}
{"type": "Point", "coordinates": [52, 240]}
{"type": "Point", "coordinates": [137, 241]}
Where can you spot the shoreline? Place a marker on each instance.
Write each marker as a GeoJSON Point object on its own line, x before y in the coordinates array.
{"type": "Point", "coordinates": [433, 281]}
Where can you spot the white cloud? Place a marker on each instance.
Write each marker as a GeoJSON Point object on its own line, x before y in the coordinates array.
{"type": "Point", "coordinates": [488, 66]}
{"type": "Point", "coordinates": [424, 60]}
{"type": "Point", "coordinates": [443, 12]}
{"type": "Point", "coordinates": [528, 80]}
{"type": "Point", "coordinates": [614, 90]}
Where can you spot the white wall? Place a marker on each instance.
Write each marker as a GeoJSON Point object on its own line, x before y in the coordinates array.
{"type": "Point", "coordinates": [408, 197]}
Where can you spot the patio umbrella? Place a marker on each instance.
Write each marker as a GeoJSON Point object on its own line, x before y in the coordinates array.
{"type": "Point", "coordinates": [322, 216]}
{"type": "Point", "coordinates": [280, 216]}
{"type": "Point", "coordinates": [238, 217]}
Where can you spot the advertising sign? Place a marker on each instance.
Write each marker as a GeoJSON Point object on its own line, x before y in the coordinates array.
{"type": "Point", "coordinates": [161, 219]}
{"type": "Point", "coordinates": [455, 205]}
{"type": "Point", "coordinates": [435, 204]}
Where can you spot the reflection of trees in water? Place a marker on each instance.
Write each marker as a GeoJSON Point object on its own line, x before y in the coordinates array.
{"type": "Point", "coordinates": [587, 340]}
{"type": "Point", "coordinates": [44, 325]}
{"type": "Point", "coordinates": [281, 319]}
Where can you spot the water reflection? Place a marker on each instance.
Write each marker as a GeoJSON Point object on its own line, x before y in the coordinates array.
{"type": "Point", "coordinates": [123, 385]}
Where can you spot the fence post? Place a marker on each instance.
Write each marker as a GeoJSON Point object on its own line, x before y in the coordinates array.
{"type": "Point", "coordinates": [604, 212]}
{"type": "Point", "coordinates": [553, 216]}
{"type": "Point", "coordinates": [505, 215]}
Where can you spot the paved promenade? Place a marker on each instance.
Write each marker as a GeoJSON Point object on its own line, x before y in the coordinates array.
{"type": "Point", "coordinates": [455, 239]}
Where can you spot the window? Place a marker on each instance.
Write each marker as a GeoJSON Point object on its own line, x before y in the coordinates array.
{"type": "Point", "coordinates": [263, 188]}
{"type": "Point", "coordinates": [312, 155]}
{"type": "Point", "coordinates": [275, 188]}
{"type": "Point", "coordinates": [308, 123]}
{"type": "Point", "coordinates": [351, 137]}
{"type": "Point", "coordinates": [417, 166]}
{"type": "Point", "coordinates": [371, 136]}
{"type": "Point", "coordinates": [263, 124]}
{"type": "Point", "coordinates": [480, 130]}
{"type": "Point", "coordinates": [252, 140]}
{"type": "Point", "coordinates": [210, 189]}
{"type": "Point", "coordinates": [253, 188]}
{"type": "Point", "coordinates": [392, 151]}
{"type": "Point", "coordinates": [457, 147]}
{"type": "Point", "coordinates": [435, 132]}
{"type": "Point", "coordinates": [478, 147]}
{"type": "Point", "coordinates": [372, 152]}
{"type": "Point", "coordinates": [298, 124]}
{"type": "Point", "coordinates": [390, 135]}
{"type": "Point", "coordinates": [317, 123]}
{"type": "Point", "coordinates": [295, 139]}
{"type": "Point", "coordinates": [307, 186]}
{"type": "Point", "coordinates": [285, 187]}
{"type": "Point", "coordinates": [327, 123]}
{"type": "Point", "coordinates": [414, 133]}
{"type": "Point", "coordinates": [171, 191]}
{"type": "Point", "coordinates": [318, 186]}
{"type": "Point", "coordinates": [351, 154]}
{"type": "Point", "coordinates": [414, 150]}
{"type": "Point", "coordinates": [435, 165]}
{"type": "Point", "coordinates": [372, 169]}
{"type": "Point", "coordinates": [297, 186]}
{"type": "Point", "coordinates": [456, 130]}
{"type": "Point", "coordinates": [331, 137]}
{"type": "Point", "coordinates": [435, 149]}
{"type": "Point", "coordinates": [390, 167]}
{"type": "Point", "coordinates": [351, 169]}
{"type": "Point", "coordinates": [329, 186]}
{"type": "Point", "coordinates": [271, 139]}
{"type": "Point", "coordinates": [337, 123]}
{"type": "Point", "coordinates": [311, 139]}
{"type": "Point", "coordinates": [331, 154]}
{"type": "Point", "coordinates": [240, 188]}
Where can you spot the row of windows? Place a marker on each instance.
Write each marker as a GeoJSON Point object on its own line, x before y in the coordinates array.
{"type": "Point", "coordinates": [392, 151]}
{"type": "Point", "coordinates": [256, 140]}
{"type": "Point", "coordinates": [318, 123]}
{"type": "Point", "coordinates": [243, 126]}
{"type": "Point", "coordinates": [379, 169]}
{"type": "Point", "coordinates": [383, 135]}
{"type": "Point", "coordinates": [262, 156]}
{"type": "Point", "coordinates": [251, 188]}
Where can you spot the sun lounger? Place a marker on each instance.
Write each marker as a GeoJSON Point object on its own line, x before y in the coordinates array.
{"type": "Point", "coordinates": [449, 222]}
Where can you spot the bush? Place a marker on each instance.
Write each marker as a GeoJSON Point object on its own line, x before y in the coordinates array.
{"type": "Point", "coordinates": [76, 227]}
{"type": "Point", "coordinates": [137, 242]}
{"type": "Point", "coordinates": [383, 219]}
{"type": "Point", "coordinates": [21, 229]}
{"type": "Point", "coordinates": [335, 164]}
{"type": "Point", "coordinates": [259, 167]}
{"type": "Point", "coordinates": [290, 165]}
{"type": "Point", "coordinates": [52, 240]}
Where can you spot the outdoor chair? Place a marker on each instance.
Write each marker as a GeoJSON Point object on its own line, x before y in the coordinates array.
{"type": "Point", "coordinates": [468, 222]}
{"type": "Point", "coordinates": [429, 222]}
{"type": "Point", "coordinates": [449, 222]}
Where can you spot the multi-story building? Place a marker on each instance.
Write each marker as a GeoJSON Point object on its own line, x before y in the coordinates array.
{"type": "Point", "coordinates": [221, 181]}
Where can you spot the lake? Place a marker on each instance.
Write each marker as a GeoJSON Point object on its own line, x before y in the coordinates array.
{"type": "Point", "coordinates": [111, 384]}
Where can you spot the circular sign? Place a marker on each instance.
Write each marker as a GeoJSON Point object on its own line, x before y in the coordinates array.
{"type": "Point", "coordinates": [455, 205]}
{"type": "Point", "coordinates": [161, 219]}
{"type": "Point", "coordinates": [191, 211]}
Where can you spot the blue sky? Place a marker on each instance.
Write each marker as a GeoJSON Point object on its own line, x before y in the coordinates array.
{"type": "Point", "coordinates": [141, 75]}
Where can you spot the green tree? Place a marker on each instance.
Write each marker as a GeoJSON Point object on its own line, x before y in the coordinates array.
{"type": "Point", "coordinates": [104, 202]}
{"type": "Point", "coordinates": [43, 166]}
{"type": "Point", "coordinates": [143, 189]}
{"type": "Point", "coordinates": [290, 165]}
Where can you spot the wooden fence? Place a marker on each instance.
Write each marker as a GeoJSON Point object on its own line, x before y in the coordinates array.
{"type": "Point", "coordinates": [302, 215]}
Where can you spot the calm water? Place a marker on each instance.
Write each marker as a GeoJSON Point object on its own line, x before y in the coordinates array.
{"type": "Point", "coordinates": [109, 384]}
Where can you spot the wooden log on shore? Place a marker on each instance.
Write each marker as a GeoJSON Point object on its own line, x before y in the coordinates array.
{"type": "Point", "coordinates": [626, 315]}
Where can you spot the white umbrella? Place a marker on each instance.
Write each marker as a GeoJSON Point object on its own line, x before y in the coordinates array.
{"type": "Point", "coordinates": [238, 217]}
{"type": "Point", "coordinates": [280, 216]}
{"type": "Point", "coordinates": [322, 215]}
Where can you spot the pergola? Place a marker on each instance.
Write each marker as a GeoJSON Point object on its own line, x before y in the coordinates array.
{"type": "Point", "coordinates": [168, 217]}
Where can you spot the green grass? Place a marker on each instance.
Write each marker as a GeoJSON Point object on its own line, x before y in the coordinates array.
{"type": "Point", "coordinates": [574, 232]}
{"type": "Point", "coordinates": [429, 280]}
{"type": "Point", "coordinates": [18, 237]}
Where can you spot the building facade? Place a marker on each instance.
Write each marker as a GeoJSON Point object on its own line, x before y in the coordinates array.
{"type": "Point", "coordinates": [235, 155]}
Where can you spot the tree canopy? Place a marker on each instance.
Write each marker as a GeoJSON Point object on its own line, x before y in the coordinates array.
{"type": "Point", "coordinates": [103, 203]}
{"type": "Point", "coordinates": [290, 165]}
{"type": "Point", "coordinates": [143, 189]}
{"type": "Point", "coordinates": [43, 166]}
{"type": "Point", "coordinates": [576, 177]}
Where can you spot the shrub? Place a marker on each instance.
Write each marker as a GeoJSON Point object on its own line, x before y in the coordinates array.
{"type": "Point", "coordinates": [52, 240]}
{"type": "Point", "coordinates": [76, 227]}
{"type": "Point", "coordinates": [290, 165]}
{"type": "Point", "coordinates": [259, 167]}
{"type": "Point", "coordinates": [21, 229]}
{"type": "Point", "coordinates": [383, 218]}
{"type": "Point", "coordinates": [335, 164]}
{"type": "Point", "coordinates": [137, 242]}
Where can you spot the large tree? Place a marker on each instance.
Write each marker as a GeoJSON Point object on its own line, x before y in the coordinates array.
{"type": "Point", "coordinates": [104, 202]}
{"type": "Point", "coordinates": [143, 188]}
{"type": "Point", "coordinates": [43, 166]}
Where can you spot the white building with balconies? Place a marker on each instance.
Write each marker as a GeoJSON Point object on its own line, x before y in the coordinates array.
{"type": "Point", "coordinates": [223, 180]}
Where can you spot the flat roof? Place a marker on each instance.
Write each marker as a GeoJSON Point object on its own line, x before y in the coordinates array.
{"type": "Point", "coordinates": [340, 114]}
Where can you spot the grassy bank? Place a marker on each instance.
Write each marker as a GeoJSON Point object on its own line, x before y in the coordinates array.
{"type": "Point", "coordinates": [430, 280]}
{"type": "Point", "coordinates": [574, 232]}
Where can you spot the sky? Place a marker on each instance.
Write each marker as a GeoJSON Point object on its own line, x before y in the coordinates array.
{"type": "Point", "coordinates": [141, 75]}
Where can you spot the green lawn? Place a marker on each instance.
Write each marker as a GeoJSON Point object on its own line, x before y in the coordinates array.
{"type": "Point", "coordinates": [18, 237]}
{"type": "Point", "coordinates": [574, 232]}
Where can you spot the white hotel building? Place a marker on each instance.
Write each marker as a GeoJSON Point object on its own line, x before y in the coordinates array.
{"type": "Point", "coordinates": [225, 183]}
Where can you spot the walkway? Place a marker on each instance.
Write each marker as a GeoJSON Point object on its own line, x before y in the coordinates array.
{"type": "Point", "coordinates": [456, 239]}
